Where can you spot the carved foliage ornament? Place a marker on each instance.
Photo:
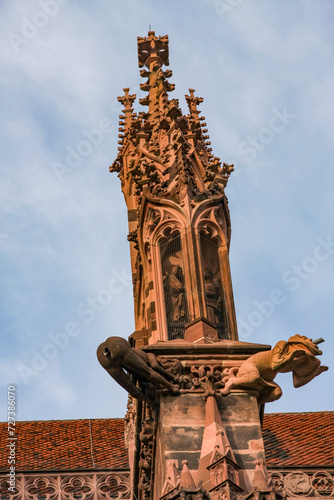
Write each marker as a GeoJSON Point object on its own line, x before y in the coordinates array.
{"type": "Point", "coordinates": [162, 150]}
{"type": "Point", "coordinates": [130, 421]}
{"type": "Point", "coordinates": [297, 483]}
{"type": "Point", "coordinates": [146, 438]}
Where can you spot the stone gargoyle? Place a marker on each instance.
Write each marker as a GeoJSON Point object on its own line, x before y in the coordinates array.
{"type": "Point", "coordinates": [118, 357]}
{"type": "Point", "coordinates": [297, 355]}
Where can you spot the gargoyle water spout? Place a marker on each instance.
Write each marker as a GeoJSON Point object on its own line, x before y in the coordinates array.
{"type": "Point", "coordinates": [297, 355]}
{"type": "Point", "coordinates": [116, 355]}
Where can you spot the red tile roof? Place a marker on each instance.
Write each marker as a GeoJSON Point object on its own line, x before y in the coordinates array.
{"type": "Point", "coordinates": [67, 444]}
{"type": "Point", "coordinates": [291, 439]}
{"type": "Point", "coordinates": [299, 439]}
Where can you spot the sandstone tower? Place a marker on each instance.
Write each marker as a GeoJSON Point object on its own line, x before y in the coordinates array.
{"type": "Point", "coordinates": [193, 426]}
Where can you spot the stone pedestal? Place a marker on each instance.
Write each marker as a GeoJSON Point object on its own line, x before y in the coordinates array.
{"type": "Point", "coordinates": [182, 425]}
{"type": "Point", "coordinates": [188, 423]}
{"type": "Point", "coordinates": [200, 331]}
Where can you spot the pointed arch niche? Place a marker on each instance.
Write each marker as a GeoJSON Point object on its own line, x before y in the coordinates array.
{"type": "Point", "coordinates": [217, 294]}
{"type": "Point", "coordinates": [165, 265]}
{"type": "Point", "coordinates": [214, 296]}
{"type": "Point", "coordinates": [173, 282]}
{"type": "Point", "coordinates": [185, 272]}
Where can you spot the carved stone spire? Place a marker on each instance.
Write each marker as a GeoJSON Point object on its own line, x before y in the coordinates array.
{"type": "Point", "coordinates": [172, 480]}
{"type": "Point", "coordinates": [218, 469]}
{"type": "Point", "coordinates": [186, 481]}
{"type": "Point", "coordinates": [179, 223]}
{"type": "Point", "coordinates": [262, 488]}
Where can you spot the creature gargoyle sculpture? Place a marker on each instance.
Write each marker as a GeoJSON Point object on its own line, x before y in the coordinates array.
{"type": "Point", "coordinates": [116, 355]}
{"type": "Point", "coordinates": [297, 355]}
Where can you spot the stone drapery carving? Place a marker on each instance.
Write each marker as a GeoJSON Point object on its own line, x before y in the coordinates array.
{"type": "Point", "coordinates": [174, 286]}
{"type": "Point", "coordinates": [85, 486]}
{"type": "Point", "coordinates": [117, 355]}
{"type": "Point", "coordinates": [297, 355]}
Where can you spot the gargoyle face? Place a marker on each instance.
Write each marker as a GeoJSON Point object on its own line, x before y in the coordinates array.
{"type": "Point", "coordinates": [103, 355]}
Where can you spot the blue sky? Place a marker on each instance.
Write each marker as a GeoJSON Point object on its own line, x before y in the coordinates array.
{"type": "Point", "coordinates": [265, 72]}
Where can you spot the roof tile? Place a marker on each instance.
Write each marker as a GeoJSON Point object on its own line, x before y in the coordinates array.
{"type": "Point", "coordinates": [67, 444]}
{"type": "Point", "coordinates": [299, 439]}
{"type": "Point", "coordinates": [291, 439]}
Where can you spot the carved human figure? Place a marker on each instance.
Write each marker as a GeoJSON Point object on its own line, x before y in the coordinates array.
{"type": "Point", "coordinates": [174, 289]}
{"type": "Point", "coordinates": [212, 297]}
{"type": "Point", "coordinates": [144, 486]}
{"type": "Point", "coordinates": [116, 355]}
{"type": "Point", "coordinates": [297, 355]}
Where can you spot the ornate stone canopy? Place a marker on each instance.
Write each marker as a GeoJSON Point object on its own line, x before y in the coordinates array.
{"type": "Point", "coordinates": [179, 223]}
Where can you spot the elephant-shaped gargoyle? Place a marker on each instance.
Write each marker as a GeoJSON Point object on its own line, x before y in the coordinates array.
{"type": "Point", "coordinates": [297, 355]}
{"type": "Point", "coordinates": [118, 357]}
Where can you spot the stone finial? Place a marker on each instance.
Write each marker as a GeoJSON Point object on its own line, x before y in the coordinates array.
{"type": "Point", "coordinates": [193, 101]}
{"type": "Point", "coordinates": [186, 481]}
{"type": "Point", "coordinates": [172, 480]}
{"type": "Point", "coordinates": [127, 100]}
{"type": "Point", "coordinates": [261, 479]}
{"type": "Point", "coordinates": [262, 488]}
{"type": "Point", "coordinates": [152, 49]}
{"type": "Point", "coordinates": [125, 120]}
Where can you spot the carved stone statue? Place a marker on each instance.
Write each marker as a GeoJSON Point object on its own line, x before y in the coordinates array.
{"type": "Point", "coordinates": [116, 355]}
{"type": "Point", "coordinates": [297, 355]}
{"type": "Point", "coordinates": [212, 297]}
{"type": "Point", "coordinates": [174, 289]}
